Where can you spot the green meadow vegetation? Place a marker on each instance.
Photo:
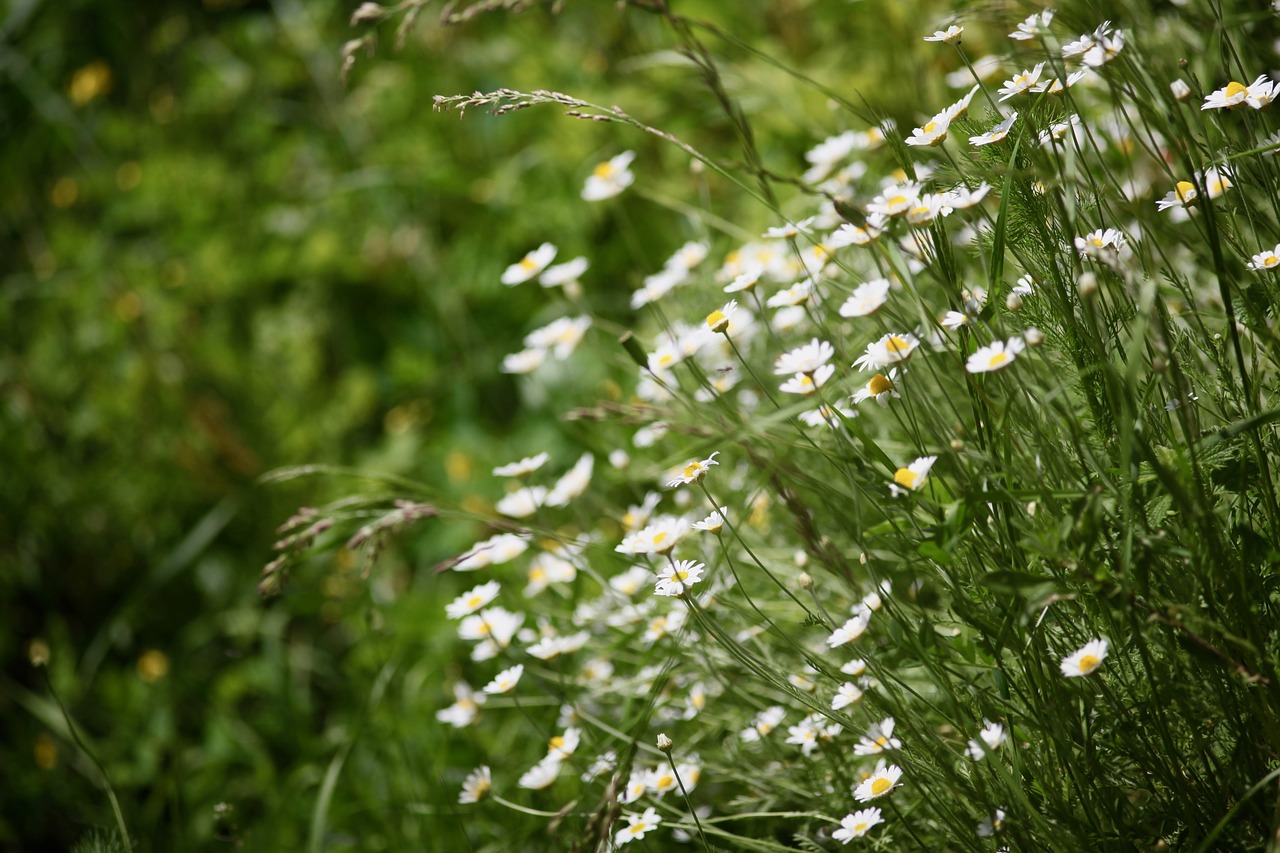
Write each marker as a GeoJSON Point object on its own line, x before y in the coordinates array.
{"type": "Point", "coordinates": [668, 425]}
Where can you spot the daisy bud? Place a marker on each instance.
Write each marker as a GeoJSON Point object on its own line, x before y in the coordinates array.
{"type": "Point", "coordinates": [1013, 302]}
{"type": "Point", "coordinates": [1087, 285]}
{"type": "Point", "coordinates": [619, 459]}
{"type": "Point", "coordinates": [1158, 364]}
{"type": "Point", "coordinates": [664, 743]}
{"type": "Point", "coordinates": [1033, 336]}
{"type": "Point", "coordinates": [805, 580]}
{"type": "Point", "coordinates": [957, 445]}
{"type": "Point", "coordinates": [38, 652]}
{"type": "Point", "coordinates": [1180, 89]}
{"type": "Point", "coordinates": [801, 558]}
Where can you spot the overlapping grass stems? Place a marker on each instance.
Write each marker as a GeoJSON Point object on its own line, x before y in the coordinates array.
{"type": "Point", "coordinates": [1111, 479]}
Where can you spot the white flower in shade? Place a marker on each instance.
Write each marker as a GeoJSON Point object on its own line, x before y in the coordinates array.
{"type": "Point", "coordinates": [813, 731]}
{"type": "Point", "coordinates": [881, 387]}
{"type": "Point", "coordinates": [573, 483]}
{"type": "Point", "coordinates": [990, 739]}
{"type": "Point", "coordinates": [635, 787]}
{"type": "Point", "coordinates": [992, 824]}
{"type": "Point", "coordinates": [1086, 659]}
{"type": "Point", "coordinates": [712, 523]}
{"type": "Point", "coordinates": [674, 579]}
{"type": "Point", "coordinates": [849, 234]}
{"type": "Point", "coordinates": [540, 775]}
{"type": "Point", "coordinates": [854, 667]}
{"type": "Point", "coordinates": [848, 694]}
{"type": "Point", "coordinates": [866, 298]}
{"type": "Point", "coordinates": [493, 551]}
{"type": "Point", "coordinates": [688, 256]}
{"type": "Point", "coordinates": [933, 132]}
{"type": "Point", "coordinates": [765, 722]}
{"type": "Point", "coordinates": [659, 537]}
{"type": "Point", "coordinates": [505, 681]}
{"type": "Point", "coordinates": [549, 648]}
{"type": "Point", "coordinates": [609, 178]}
{"type": "Point", "coordinates": [1057, 85]}
{"type": "Point", "coordinates": [951, 35]}
{"type": "Point", "coordinates": [471, 601]}
{"type": "Point", "coordinates": [637, 516]}
{"type": "Point", "coordinates": [857, 824]}
{"type": "Point", "coordinates": [631, 581]}
{"type": "Point", "coordinates": [955, 319]}
{"type": "Point", "coordinates": [694, 472]}
{"type": "Point", "coordinates": [878, 783]}
{"type": "Point", "coordinates": [637, 826]}
{"type": "Point", "coordinates": [494, 623]}
{"type": "Point", "coordinates": [465, 708]}
{"type": "Point", "coordinates": [476, 786]}
{"type": "Point", "coordinates": [808, 383]}
{"type": "Point", "coordinates": [560, 336]}
{"type": "Point", "coordinates": [797, 294]}
{"type": "Point", "coordinates": [929, 207]}
{"type": "Point", "coordinates": [530, 265]}
{"type": "Point", "coordinates": [1033, 27]}
{"type": "Point", "coordinates": [560, 747]}
{"type": "Point", "coordinates": [997, 133]}
{"type": "Point", "coordinates": [564, 275]}
{"type": "Point", "coordinates": [995, 356]}
{"type": "Point", "coordinates": [1024, 286]}
{"type": "Point", "coordinates": [829, 154]}
{"type": "Point", "coordinates": [746, 280]}
{"type": "Point", "coordinates": [789, 229]}
{"type": "Point", "coordinates": [828, 415]}
{"type": "Point", "coordinates": [1180, 90]}
{"type": "Point", "coordinates": [1267, 259]}
{"type": "Point", "coordinates": [548, 568]}
{"type": "Point", "coordinates": [1216, 182]}
{"type": "Point", "coordinates": [658, 285]}
{"type": "Point", "coordinates": [911, 477]}
{"type": "Point", "coordinates": [1108, 246]}
{"type": "Point", "coordinates": [804, 359]}
{"type": "Point", "coordinates": [522, 502]}
{"type": "Point", "coordinates": [985, 67]}
{"type": "Point", "coordinates": [851, 630]}
{"type": "Point", "coordinates": [889, 350]}
{"type": "Point", "coordinates": [878, 739]}
{"type": "Point", "coordinates": [522, 468]}
{"type": "Point", "coordinates": [602, 764]}
{"type": "Point", "coordinates": [1021, 82]}
{"type": "Point", "coordinates": [525, 361]}
{"type": "Point", "coordinates": [894, 200]}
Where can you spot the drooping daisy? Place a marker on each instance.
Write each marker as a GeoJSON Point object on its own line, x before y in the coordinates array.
{"type": "Point", "coordinates": [471, 601]}
{"type": "Point", "coordinates": [476, 786]}
{"type": "Point", "coordinates": [1020, 82]}
{"type": "Point", "coordinates": [637, 826]}
{"type": "Point", "coordinates": [996, 356]}
{"type": "Point", "coordinates": [522, 468]}
{"type": "Point", "coordinates": [540, 775]}
{"type": "Point", "coordinates": [996, 134]}
{"type": "Point", "coordinates": [505, 681]}
{"type": "Point", "coordinates": [878, 739]}
{"type": "Point", "coordinates": [530, 265]}
{"type": "Point", "coordinates": [808, 383]}
{"type": "Point", "coordinates": [878, 784]}
{"type": "Point", "coordinates": [989, 739]}
{"type": "Point", "coordinates": [610, 177]}
{"type": "Point", "coordinates": [911, 477]}
{"type": "Point", "coordinates": [851, 630]}
{"type": "Point", "coordinates": [889, 350]}
{"type": "Point", "coordinates": [857, 824]}
{"type": "Point", "coordinates": [1267, 259]}
{"type": "Point", "coordinates": [1086, 659]}
{"type": "Point", "coordinates": [848, 694]}
{"type": "Point", "coordinates": [695, 471]}
{"type": "Point", "coordinates": [880, 387]}
{"type": "Point", "coordinates": [866, 298]}
{"type": "Point", "coordinates": [1033, 27]}
{"type": "Point", "coordinates": [674, 579]}
{"type": "Point", "coordinates": [804, 359]}
{"type": "Point", "coordinates": [951, 35]}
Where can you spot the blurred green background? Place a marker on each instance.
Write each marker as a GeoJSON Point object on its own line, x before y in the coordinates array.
{"type": "Point", "coordinates": [220, 260]}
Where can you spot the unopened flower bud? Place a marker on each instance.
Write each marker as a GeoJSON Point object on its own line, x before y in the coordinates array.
{"type": "Point", "coordinates": [664, 743]}
{"type": "Point", "coordinates": [805, 580]}
{"type": "Point", "coordinates": [1013, 302]}
{"type": "Point", "coordinates": [1087, 285]}
{"type": "Point", "coordinates": [38, 652]}
{"type": "Point", "coordinates": [957, 445]}
{"type": "Point", "coordinates": [1180, 89]}
{"type": "Point", "coordinates": [1033, 336]}
{"type": "Point", "coordinates": [367, 12]}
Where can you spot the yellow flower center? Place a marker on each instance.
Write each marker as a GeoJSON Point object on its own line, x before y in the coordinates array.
{"type": "Point", "coordinates": [636, 829]}
{"type": "Point", "coordinates": [680, 576]}
{"type": "Point", "coordinates": [661, 537]}
{"type": "Point", "coordinates": [1235, 89]}
{"type": "Point", "coordinates": [1185, 190]}
{"type": "Point", "coordinates": [715, 319]}
{"type": "Point", "coordinates": [922, 210]}
{"type": "Point", "coordinates": [806, 381]}
{"type": "Point", "coordinates": [1097, 242]}
{"type": "Point", "coordinates": [528, 264]}
{"type": "Point", "coordinates": [665, 359]}
{"type": "Point", "coordinates": [882, 741]}
{"type": "Point", "coordinates": [928, 128]}
{"type": "Point", "coordinates": [896, 201]}
{"type": "Point", "coordinates": [998, 360]}
{"type": "Point", "coordinates": [879, 384]}
{"type": "Point", "coordinates": [692, 469]}
{"type": "Point", "coordinates": [664, 781]}
{"type": "Point", "coordinates": [556, 742]}
{"type": "Point", "coordinates": [604, 170]}
{"type": "Point", "coordinates": [1088, 663]}
{"type": "Point", "coordinates": [537, 573]}
{"type": "Point", "coordinates": [1270, 261]}
{"type": "Point", "coordinates": [1218, 187]}
{"type": "Point", "coordinates": [897, 344]}
{"type": "Point", "coordinates": [860, 827]}
{"type": "Point", "coordinates": [879, 786]}
{"type": "Point", "coordinates": [474, 601]}
{"type": "Point", "coordinates": [906, 478]}
{"type": "Point", "coordinates": [481, 788]}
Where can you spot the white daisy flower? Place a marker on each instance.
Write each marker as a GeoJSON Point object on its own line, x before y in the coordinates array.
{"type": "Point", "coordinates": [857, 824]}
{"type": "Point", "coordinates": [746, 280]}
{"type": "Point", "coordinates": [1086, 659]}
{"type": "Point", "coordinates": [880, 387]}
{"type": "Point", "coordinates": [848, 694]}
{"type": "Point", "coordinates": [494, 623]}
{"type": "Point", "coordinates": [929, 207]}
{"type": "Point", "coordinates": [911, 477]}
{"type": "Point", "coordinates": [878, 738]}
{"type": "Point", "coordinates": [1262, 92]}
{"type": "Point", "coordinates": [476, 786]}
{"type": "Point", "coordinates": [889, 350]}
{"type": "Point", "coordinates": [573, 482]}
{"type": "Point", "coordinates": [560, 747]}
{"type": "Point", "coordinates": [564, 275]}
{"type": "Point", "coordinates": [989, 739]}
{"type": "Point", "coordinates": [1033, 27]}
{"type": "Point", "coordinates": [997, 133]}
{"type": "Point", "coordinates": [659, 537]}
{"type": "Point", "coordinates": [854, 667]}
{"type": "Point", "coordinates": [1267, 259]}
{"type": "Point", "coordinates": [933, 132]}
{"type": "Point", "coordinates": [1021, 82]}
{"type": "Point", "coordinates": [525, 361]}
{"type": "Point", "coordinates": [695, 471]}
{"type": "Point", "coordinates": [471, 601]}
{"type": "Point", "coordinates": [764, 723]}
{"type": "Point", "coordinates": [829, 416]}
{"type": "Point", "coordinates": [866, 298]}
{"type": "Point", "coordinates": [951, 35]}
{"type": "Point", "coordinates": [505, 681]}
{"type": "Point", "coordinates": [1231, 95]}
{"type": "Point", "coordinates": [522, 502]}
{"type": "Point", "coordinates": [796, 294]}
{"type": "Point", "coordinates": [1101, 242]}
{"type": "Point", "coordinates": [610, 177]}
{"type": "Point", "coordinates": [493, 551]}
{"type": "Point", "coordinates": [530, 265]}
{"type": "Point", "coordinates": [525, 466]}
{"type": "Point", "coordinates": [804, 359]}
{"type": "Point", "coordinates": [992, 824]}
{"type": "Point", "coordinates": [878, 783]}
{"type": "Point", "coordinates": [813, 731]}
{"type": "Point", "coordinates": [788, 230]}
{"type": "Point", "coordinates": [674, 579]}
{"type": "Point", "coordinates": [465, 708]}
{"type": "Point", "coordinates": [1057, 86]}
{"type": "Point", "coordinates": [718, 320]}
{"type": "Point", "coordinates": [996, 356]}
{"type": "Point", "coordinates": [637, 826]}
{"type": "Point", "coordinates": [849, 234]}
{"type": "Point", "coordinates": [540, 775]}
{"type": "Point", "coordinates": [712, 523]}
{"type": "Point", "coordinates": [829, 154]}
{"type": "Point", "coordinates": [808, 383]}
{"type": "Point", "coordinates": [894, 200]}
{"type": "Point", "coordinates": [688, 256]}
{"type": "Point", "coordinates": [560, 336]}
{"type": "Point", "coordinates": [848, 632]}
